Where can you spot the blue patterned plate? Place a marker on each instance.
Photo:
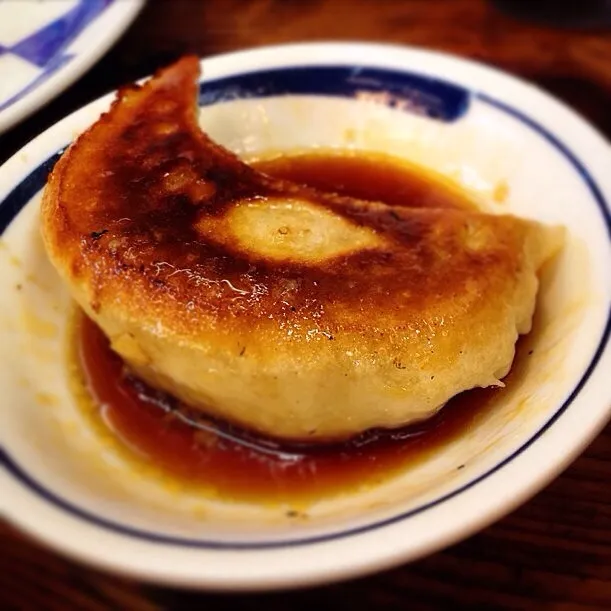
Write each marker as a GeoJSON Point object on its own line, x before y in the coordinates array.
{"type": "Point", "coordinates": [45, 45]}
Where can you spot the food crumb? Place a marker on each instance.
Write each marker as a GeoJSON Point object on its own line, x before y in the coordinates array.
{"type": "Point", "coordinates": [293, 513]}
{"type": "Point", "coordinates": [96, 235]}
{"type": "Point", "coordinates": [501, 192]}
{"type": "Point", "coordinates": [398, 364]}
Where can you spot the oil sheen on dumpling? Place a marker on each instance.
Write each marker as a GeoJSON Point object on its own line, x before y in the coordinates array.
{"type": "Point", "coordinates": [298, 314]}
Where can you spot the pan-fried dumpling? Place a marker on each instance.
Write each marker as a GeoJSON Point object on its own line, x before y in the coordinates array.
{"type": "Point", "coordinates": [295, 313]}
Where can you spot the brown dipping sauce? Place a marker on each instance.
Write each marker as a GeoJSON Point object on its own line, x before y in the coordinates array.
{"type": "Point", "coordinates": [239, 465]}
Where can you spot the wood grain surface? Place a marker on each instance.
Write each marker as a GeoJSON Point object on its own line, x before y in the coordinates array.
{"type": "Point", "coordinates": [555, 551]}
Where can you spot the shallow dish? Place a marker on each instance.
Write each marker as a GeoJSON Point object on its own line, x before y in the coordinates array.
{"type": "Point", "coordinates": [46, 46]}
{"type": "Point", "coordinates": [509, 145]}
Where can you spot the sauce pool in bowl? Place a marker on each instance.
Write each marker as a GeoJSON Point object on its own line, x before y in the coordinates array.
{"type": "Point", "coordinates": [232, 463]}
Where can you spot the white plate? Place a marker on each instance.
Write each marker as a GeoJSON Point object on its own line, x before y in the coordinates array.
{"type": "Point", "coordinates": [68, 486]}
{"type": "Point", "coordinates": [45, 45]}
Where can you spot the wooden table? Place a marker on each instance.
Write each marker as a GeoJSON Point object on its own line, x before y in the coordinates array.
{"type": "Point", "coordinates": [554, 552]}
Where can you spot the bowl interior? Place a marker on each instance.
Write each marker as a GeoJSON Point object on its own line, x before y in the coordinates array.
{"type": "Point", "coordinates": [483, 146]}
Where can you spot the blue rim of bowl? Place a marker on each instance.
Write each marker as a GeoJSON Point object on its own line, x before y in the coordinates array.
{"type": "Point", "coordinates": [32, 184]}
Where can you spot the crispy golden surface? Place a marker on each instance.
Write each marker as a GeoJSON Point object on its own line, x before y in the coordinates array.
{"type": "Point", "coordinates": [294, 312]}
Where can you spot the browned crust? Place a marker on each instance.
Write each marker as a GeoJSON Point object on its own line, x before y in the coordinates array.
{"type": "Point", "coordinates": [126, 239]}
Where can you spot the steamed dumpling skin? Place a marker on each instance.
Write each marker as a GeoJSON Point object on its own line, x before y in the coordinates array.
{"type": "Point", "coordinates": [294, 313]}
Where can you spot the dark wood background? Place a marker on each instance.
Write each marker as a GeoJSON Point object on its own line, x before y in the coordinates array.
{"type": "Point", "coordinates": [552, 554]}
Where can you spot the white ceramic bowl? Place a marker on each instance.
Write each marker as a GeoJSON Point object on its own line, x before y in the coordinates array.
{"type": "Point", "coordinates": [69, 488]}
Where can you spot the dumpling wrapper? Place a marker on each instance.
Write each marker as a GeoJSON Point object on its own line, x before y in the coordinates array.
{"type": "Point", "coordinates": [294, 313]}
